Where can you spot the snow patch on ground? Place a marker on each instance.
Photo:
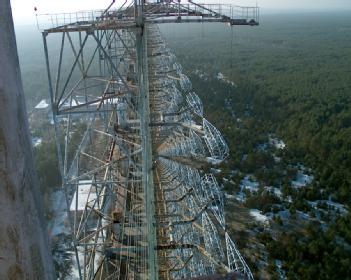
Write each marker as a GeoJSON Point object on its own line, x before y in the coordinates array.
{"type": "Point", "coordinates": [84, 195]}
{"type": "Point", "coordinates": [281, 272]}
{"type": "Point", "coordinates": [201, 75]}
{"type": "Point", "coordinates": [276, 191]}
{"type": "Point", "coordinates": [259, 217]}
{"type": "Point", "coordinates": [302, 216]}
{"type": "Point", "coordinates": [277, 159]}
{"type": "Point", "coordinates": [277, 143]}
{"type": "Point", "coordinates": [220, 76]}
{"type": "Point", "coordinates": [240, 196]}
{"type": "Point", "coordinates": [284, 214]}
{"type": "Point", "coordinates": [302, 180]}
{"type": "Point", "coordinates": [36, 141]}
{"type": "Point", "coordinates": [59, 221]}
{"type": "Point", "coordinates": [330, 205]}
{"type": "Point", "coordinates": [249, 183]}
{"type": "Point", "coordinates": [262, 147]}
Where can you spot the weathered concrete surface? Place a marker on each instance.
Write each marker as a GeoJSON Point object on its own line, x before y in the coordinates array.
{"type": "Point", "coordinates": [24, 250]}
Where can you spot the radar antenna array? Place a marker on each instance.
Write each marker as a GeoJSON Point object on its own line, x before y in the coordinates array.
{"type": "Point", "coordinates": [133, 142]}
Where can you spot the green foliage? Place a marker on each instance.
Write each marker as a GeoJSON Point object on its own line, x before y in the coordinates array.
{"type": "Point", "coordinates": [312, 254]}
{"type": "Point", "coordinates": [47, 168]}
{"type": "Point", "coordinates": [47, 165]}
{"type": "Point", "coordinates": [264, 202]}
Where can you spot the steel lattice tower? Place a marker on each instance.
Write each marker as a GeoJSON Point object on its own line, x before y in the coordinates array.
{"type": "Point", "coordinates": [132, 142]}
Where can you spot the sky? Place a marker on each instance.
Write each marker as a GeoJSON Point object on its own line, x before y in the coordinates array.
{"type": "Point", "coordinates": [23, 10]}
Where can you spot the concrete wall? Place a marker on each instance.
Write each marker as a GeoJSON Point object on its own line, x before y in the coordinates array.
{"type": "Point", "coordinates": [24, 250]}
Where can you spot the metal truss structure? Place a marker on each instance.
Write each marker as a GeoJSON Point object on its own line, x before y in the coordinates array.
{"type": "Point", "coordinates": [132, 144]}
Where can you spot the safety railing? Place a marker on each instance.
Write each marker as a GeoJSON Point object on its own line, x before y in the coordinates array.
{"type": "Point", "coordinates": [81, 18]}
{"type": "Point", "coordinates": [204, 12]}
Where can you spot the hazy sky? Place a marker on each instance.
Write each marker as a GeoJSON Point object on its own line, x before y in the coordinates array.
{"type": "Point", "coordinates": [23, 12]}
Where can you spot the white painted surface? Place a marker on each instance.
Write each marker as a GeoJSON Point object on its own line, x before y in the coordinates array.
{"type": "Point", "coordinates": [86, 194]}
{"type": "Point", "coordinates": [42, 104]}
